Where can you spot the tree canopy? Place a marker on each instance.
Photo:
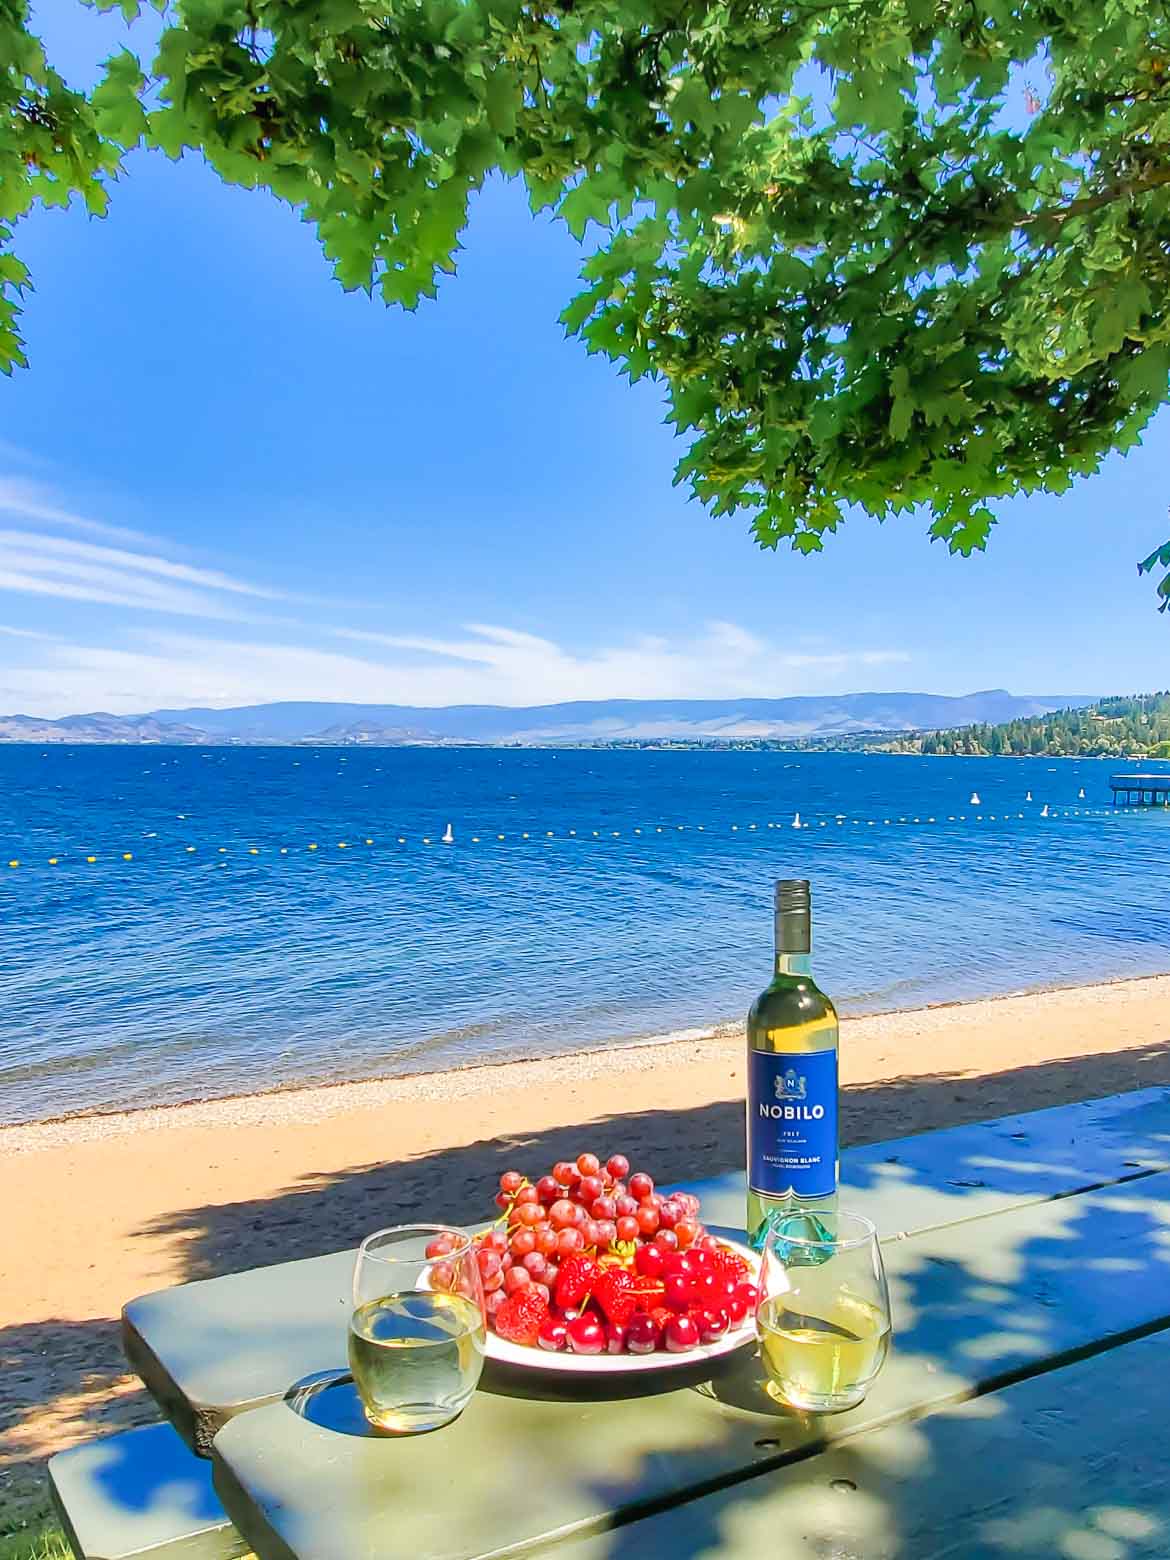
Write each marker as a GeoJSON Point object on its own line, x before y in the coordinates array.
{"type": "Point", "coordinates": [882, 253]}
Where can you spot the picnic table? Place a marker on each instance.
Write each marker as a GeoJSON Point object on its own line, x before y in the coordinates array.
{"type": "Point", "coordinates": [1021, 1412]}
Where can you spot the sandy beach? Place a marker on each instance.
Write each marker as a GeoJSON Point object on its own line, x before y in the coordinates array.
{"type": "Point", "coordinates": [98, 1209]}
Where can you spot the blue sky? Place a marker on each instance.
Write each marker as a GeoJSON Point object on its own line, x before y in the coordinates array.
{"type": "Point", "coordinates": [224, 481]}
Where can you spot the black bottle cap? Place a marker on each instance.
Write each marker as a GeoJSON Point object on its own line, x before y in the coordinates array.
{"type": "Point", "coordinates": [793, 916]}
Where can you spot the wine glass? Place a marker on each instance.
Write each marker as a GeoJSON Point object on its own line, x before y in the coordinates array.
{"type": "Point", "coordinates": [417, 1334]}
{"type": "Point", "coordinates": [824, 1310]}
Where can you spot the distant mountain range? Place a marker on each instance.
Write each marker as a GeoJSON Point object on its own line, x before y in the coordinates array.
{"type": "Point", "coordinates": [605, 721]}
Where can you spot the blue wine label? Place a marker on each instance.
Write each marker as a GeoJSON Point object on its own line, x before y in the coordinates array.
{"type": "Point", "coordinates": [792, 1123]}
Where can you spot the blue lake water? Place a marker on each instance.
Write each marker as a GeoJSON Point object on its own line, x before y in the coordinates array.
{"type": "Point", "coordinates": [188, 973]}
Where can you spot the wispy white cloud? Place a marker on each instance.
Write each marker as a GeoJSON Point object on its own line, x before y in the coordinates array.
{"type": "Point", "coordinates": [488, 664]}
{"type": "Point", "coordinates": [37, 561]}
{"type": "Point", "coordinates": [26, 633]}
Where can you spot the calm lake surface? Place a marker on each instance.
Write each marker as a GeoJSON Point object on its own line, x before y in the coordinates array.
{"type": "Point", "coordinates": [189, 973]}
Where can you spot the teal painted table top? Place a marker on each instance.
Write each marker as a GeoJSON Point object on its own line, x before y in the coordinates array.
{"type": "Point", "coordinates": [1014, 1248]}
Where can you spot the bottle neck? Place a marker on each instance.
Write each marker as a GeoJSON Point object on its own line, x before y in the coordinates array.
{"type": "Point", "coordinates": [797, 964]}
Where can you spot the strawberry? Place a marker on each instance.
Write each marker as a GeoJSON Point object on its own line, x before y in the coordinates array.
{"type": "Point", "coordinates": [661, 1314]}
{"type": "Point", "coordinates": [648, 1293]}
{"type": "Point", "coordinates": [578, 1275]}
{"type": "Point", "coordinates": [616, 1293]}
{"type": "Point", "coordinates": [729, 1265]}
{"type": "Point", "coordinates": [522, 1315]}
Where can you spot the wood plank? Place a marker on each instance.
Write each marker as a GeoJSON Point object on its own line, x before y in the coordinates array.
{"type": "Point", "coordinates": [975, 1305]}
{"type": "Point", "coordinates": [1073, 1463]}
{"type": "Point", "coordinates": [141, 1495]}
{"type": "Point", "coordinates": [213, 1349]}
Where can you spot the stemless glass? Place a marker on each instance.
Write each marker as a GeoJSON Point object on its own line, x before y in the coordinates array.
{"type": "Point", "coordinates": [417, 1333]}
{"type": "Point", "coordinates": [824, 1310]}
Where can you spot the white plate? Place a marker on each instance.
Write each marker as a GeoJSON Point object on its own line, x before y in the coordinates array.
{"type": "Point", "coordinates": [533, 1357]}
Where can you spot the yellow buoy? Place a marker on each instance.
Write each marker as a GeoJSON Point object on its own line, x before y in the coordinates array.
{"type": "Point", "coordinates": [369, 842]}
{"type": "Point", "coordinates": [14, 863]}
{"type": "Point", "coordinates": [312, 847]}
{"type": "Point", "coordinates": [126, 856]}
{"type": "Point", "coordinates": [284, 850]}
{"type": "Point", "coordinates": [91, 858]}
{"type": "Point", "coordinates": [52, 861]}
{"type": "Point", "coordinates": [252, 851]}
{"type": "Point", "coordinates": [341, 844]}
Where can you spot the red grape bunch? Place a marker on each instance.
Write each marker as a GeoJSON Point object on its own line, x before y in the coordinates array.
{"type": "Point", "coordinates": [592, 1259]}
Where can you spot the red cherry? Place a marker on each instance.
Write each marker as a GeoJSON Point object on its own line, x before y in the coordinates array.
{"type": "Point", "coordinates": [493, 1280]}
{"type": "Point", "coordinates": [551, 1270]}
{"type": "Point", "coordinates": [651, 1200]}
{"type": "Point", "coordinates": [641, 1185]}
{"type": "Point", "coordinates": [625, 1204]}
{"type": "Point", "coordinates": [589, 1188]}
{"type": "Point", "coordinates": [546, 1240]}
{"type": "Point", "coordinates": [497, 1240]}
{"type": "Point", "coordinates": [530, 1213]}
{"type": "Point", "coordinates": [677, 1292]}
{"type": "Point", "coordinates": [547, 1190]}
{"type": "Point", "coordinates": [527, 1194]}
{"type": "Point", "coordinates": [618, 1166]}
{"type": "Point", "coordinates": [441, 1246]}
{"type": "Point", "coordinates": [588, 1164]}
{"type": "Point", "coordinates": [569, 1241]}
{"type": "Point", "coordinates": [543, 1291]}
{"type": "Point", "coordinates": [649, 1260]}
{"type": "Point", "coordinates": [641, 1334]}
{"type": "Point", "coordinates": [523, 1242]}
{"type": "Point", "coordinates": [443, 1276]}
{"type": "Point", "coordinates": [565, 1173]}
{"type": "Point", "coordinates": [553, 1334]}
{"type": "Point", "coordinates": [592, 1232]}
{"type": "Point", "coordinates": [586, 1334]}
{"type": "Point", "coordinates": [606, 1234]}
{"type": "Point", "coordinates": [615, 1338]}
{"type": "Point", "coordinates": [714, 1323]}
{"type": "Point", "coordinates": [495, 1300]}
{"type": "Point", "coordinates": [515, 1278]}
{"type": "Point", "coordinates": [709, 1244]}
{"type": "Point", "coordinates": [666, 1240]}
{"type": "Point", "coordinates": [511, 1181]}
{"type": "Point", "coordinates": [535, 1264]}
{"type": "Point", "coordinates": [562, 1214]}
{"type": "Point", "coordinates": [503, 1199]}
{"type": "Point", "coordinates": [618, 1189]}
{"type": "Point", "coordinates": [604, 1208]}
{"type": "Point", "coordinates": [681, 1335]}
{"type": "Point", "coordinates": [627, 1228]}
{"type": "Point", "coordinates": [669, 1213]}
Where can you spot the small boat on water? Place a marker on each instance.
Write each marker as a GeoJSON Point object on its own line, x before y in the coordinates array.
{"type": "Point", "coordinates": [796, 823]}
{"type": "Point", "coordinates": [1081, 794]}
{"type": "Point", "coordinates": [974, 802]}
{"type": "Point", "coordinates": [1028, 796]}
{"type": "Point", "coordinates": [448, 836]}
{"type": "Point", "coordinates": [1044, 810]}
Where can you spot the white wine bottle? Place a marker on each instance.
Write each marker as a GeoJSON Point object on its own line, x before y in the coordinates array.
{"type": "Point", "coordinates": [791, 1080]}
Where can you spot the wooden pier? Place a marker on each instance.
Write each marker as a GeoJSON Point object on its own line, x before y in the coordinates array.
{"type": "Point", "coordinates": [1141, 790]}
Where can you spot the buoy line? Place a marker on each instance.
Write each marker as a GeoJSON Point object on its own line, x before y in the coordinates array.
{"type": "Point", "coordinates": [646, 832]}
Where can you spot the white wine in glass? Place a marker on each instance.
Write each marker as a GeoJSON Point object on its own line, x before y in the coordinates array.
{"type": "Point", "coordinates": [417, 1334]}
{"type": "Point", "coordinates": [824, 1313]}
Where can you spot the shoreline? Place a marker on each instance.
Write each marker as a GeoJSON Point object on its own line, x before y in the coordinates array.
{"type": "Point", "coordinates": [280, 1103]}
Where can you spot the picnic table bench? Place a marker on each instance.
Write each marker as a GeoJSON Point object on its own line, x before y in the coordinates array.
{"type": "Point", "coordinates": [1020, 1412]}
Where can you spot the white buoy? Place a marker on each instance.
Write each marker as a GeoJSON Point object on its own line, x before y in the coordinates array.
{"type": "Point", "coordinates": [1044, 810]}
{"type": "Point", "coordinates": [974, 802]}
{"type": "Point", "coordinates": [1081, 794]}
{"type": "Point", "coordinates": [796, 823]}
{"type": "Point", "coordinates": [1027, 796]}
{"type": "Point", "coordinates": [448, 836]}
